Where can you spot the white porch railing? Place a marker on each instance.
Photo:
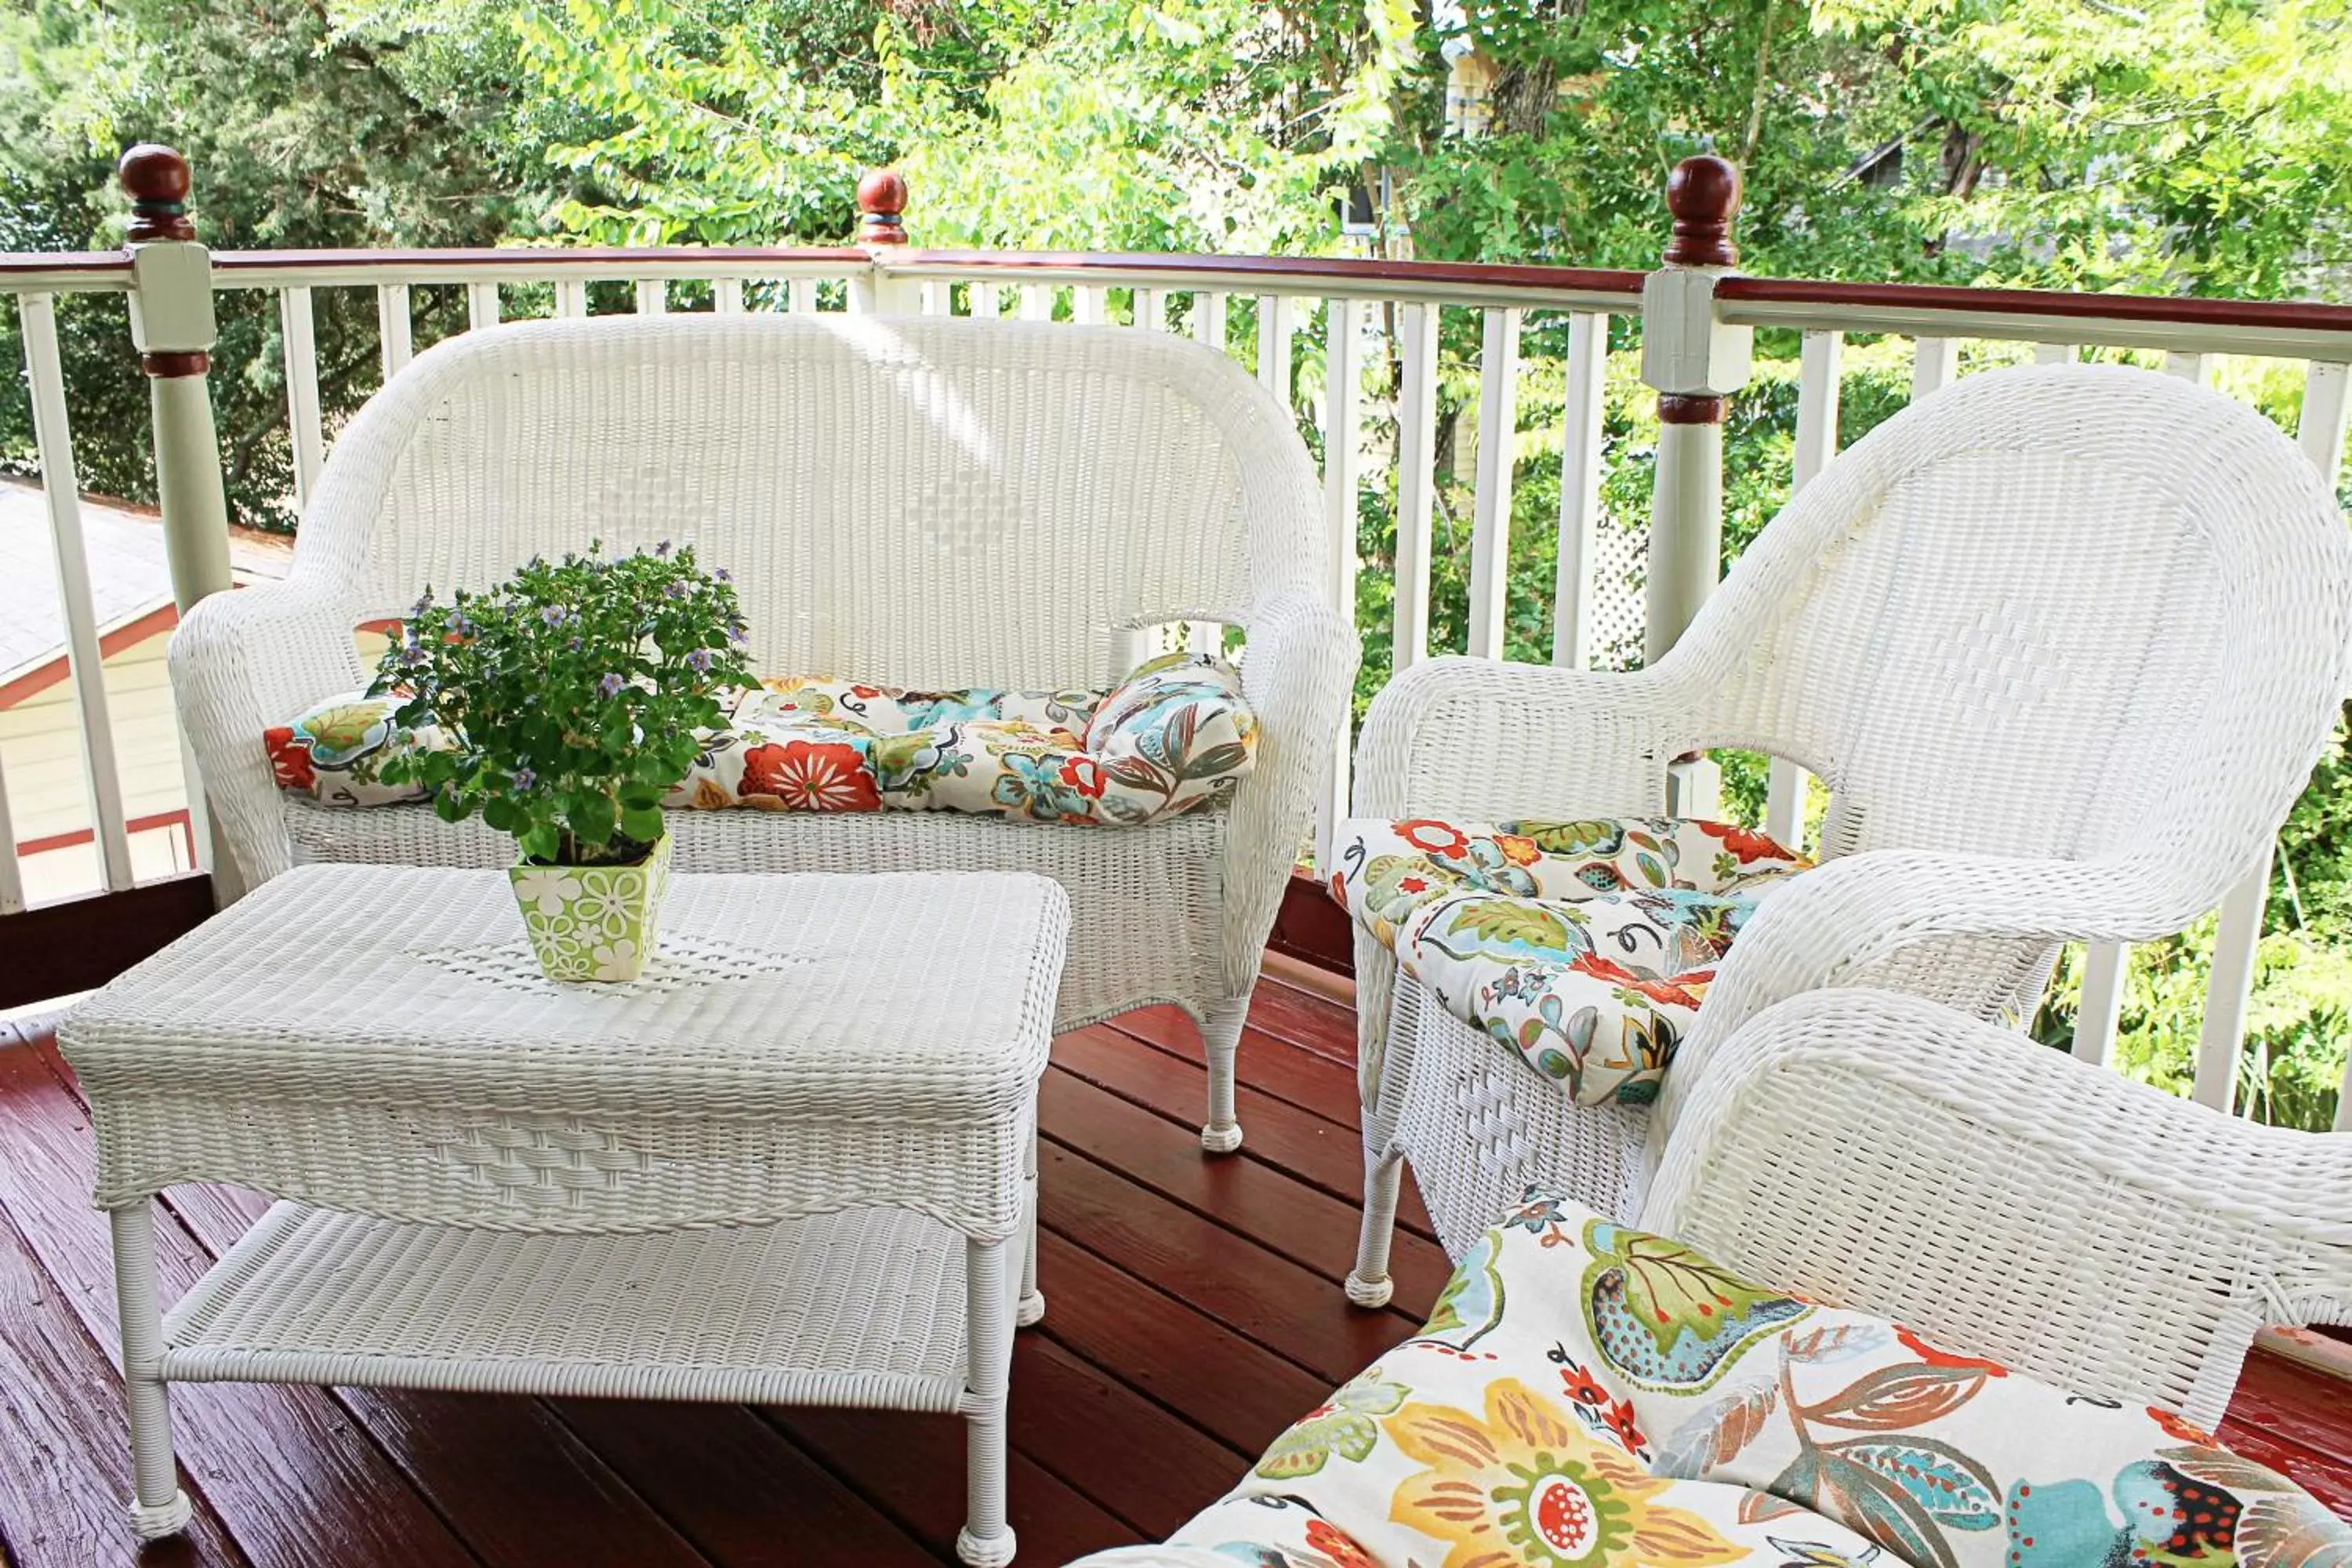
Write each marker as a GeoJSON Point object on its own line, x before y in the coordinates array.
{"type": "Point", "coordinates": [1380, 434]}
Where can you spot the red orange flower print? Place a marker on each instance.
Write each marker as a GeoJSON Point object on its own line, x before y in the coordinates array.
{"type": "Point", "coordinates": [1435, 837]}
{"type": "Point", "coordinates": [811, 775]}
{"type": "Point", "coordinates": [289, 763]}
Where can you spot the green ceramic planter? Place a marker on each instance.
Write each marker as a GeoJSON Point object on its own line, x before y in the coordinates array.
{"type": "Point", "coordinates": [593, 923]}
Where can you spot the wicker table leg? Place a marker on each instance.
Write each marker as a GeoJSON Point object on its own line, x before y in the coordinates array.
{"type": "Point", "coordinates": [158, 1505]}
{"type": "Point", "coordinates": [986, 1540]}
{"type": "Point", "coordinates": [1032, 1309]}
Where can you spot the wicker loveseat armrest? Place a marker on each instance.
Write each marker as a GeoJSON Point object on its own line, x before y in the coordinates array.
{"type": "Point", "coordinates": [1880, 1152]}
{"type": "Point", "coordinates": [240, 662]}
{"type": "Point", "coordinates": [1297, 674]}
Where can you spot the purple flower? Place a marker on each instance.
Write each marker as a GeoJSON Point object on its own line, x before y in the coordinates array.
{"type": "Point", "coordinates": [700, 660]}
{"type": "Point", "coordinates": [554, 614]}
{"type": "Point", "coordinates": [525, 778]}
{"type": "Point", "coordinates": [460, 625]}
{"type": "Point", "coordinates": [663, 548]}
{"type": "Point", "coordinates": [572, 647]}
{"type": "Point", "coordinates": [611, 685]}
{"type": "Point", "coordinates": [673, 590]}
{"type": "Point", "coordinates": [722, 574]}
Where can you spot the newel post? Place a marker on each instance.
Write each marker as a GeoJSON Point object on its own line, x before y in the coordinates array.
{"type": "Point", "coordinates": [172, 327]}
{"type": "Point", "coordinates": [1693, 360]}
{"type": "Point", "coordinates": [881, 225]}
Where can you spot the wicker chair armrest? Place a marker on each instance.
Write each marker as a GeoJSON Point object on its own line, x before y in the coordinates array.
{"type": "Point", "coordinates": [1855, 1143]}
{"type": "Point", "coordinates": [240, 662]}
{"type": "Point", "coordinates": [1485, 740]}
{"type": "Point", "coordinates": [1898, 918]}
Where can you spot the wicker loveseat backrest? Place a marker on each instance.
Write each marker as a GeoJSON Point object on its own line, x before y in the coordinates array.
{"type": "Point", "coordinates": [927, 502]}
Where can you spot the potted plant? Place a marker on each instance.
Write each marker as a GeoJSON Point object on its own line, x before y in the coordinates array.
{"type": "Point", "coordinates": [570, 699]}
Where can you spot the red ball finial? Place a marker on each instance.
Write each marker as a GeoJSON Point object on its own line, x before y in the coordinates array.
{"type": "Point", "coordinates": [1703, 194]}
{"type": "Point", "coordinates": [155, 178]}
{"type": "Point", "coordinates": [881, 198]}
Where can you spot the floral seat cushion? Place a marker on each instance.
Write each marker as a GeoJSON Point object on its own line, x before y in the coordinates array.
{"type": "Point", "coordinates": [1174, 737]}
{"type": "Point", "coordinates": [1588, 1395]}
{"type": "Point", "coordinates": [1585, 946]}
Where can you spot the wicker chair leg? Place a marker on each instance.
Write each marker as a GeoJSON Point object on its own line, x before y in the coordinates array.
{"type": "Point", "coordinates": [158, 1505]}
{"type": "Point", "coordinates": [986, 1538]}
{"type": "Point", "coordinates": [1221, 1036]}
{"type": "Point", "coordinates": [1032, 1308]}
{"type": "Point", "coordinates": [1369, 1284]}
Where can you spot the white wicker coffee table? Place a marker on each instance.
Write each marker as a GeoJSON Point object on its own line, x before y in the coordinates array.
{"type": "Point", "coordinates": [783, 1167]}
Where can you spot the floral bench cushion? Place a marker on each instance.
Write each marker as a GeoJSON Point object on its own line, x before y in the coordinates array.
{"type": "Point", "coordinates": [1174, 737]}
{"type": "Point", "coordinates": [1584, 946]}
{"type": "Point", "coordinates": [1586, 1393]}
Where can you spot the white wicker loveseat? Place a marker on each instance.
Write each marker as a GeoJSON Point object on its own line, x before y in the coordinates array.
{"type": "Point", "coordinates": [929, 503]}
{"type": "Point", "coordinates": [2063, 643]}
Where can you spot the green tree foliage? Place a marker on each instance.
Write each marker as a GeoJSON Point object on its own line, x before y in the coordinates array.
{"type": "Point", "coordinates": [2192, 146]}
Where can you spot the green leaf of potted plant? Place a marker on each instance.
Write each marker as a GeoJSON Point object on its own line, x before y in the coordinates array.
{"type": "Point", "coordinates": [573, 698]}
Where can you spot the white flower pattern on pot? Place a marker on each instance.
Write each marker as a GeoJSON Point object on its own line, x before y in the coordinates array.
{"type": "Point", "coordinates": [546, 888]}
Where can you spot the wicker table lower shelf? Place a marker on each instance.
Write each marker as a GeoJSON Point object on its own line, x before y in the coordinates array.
{"type": "Point", "coordinates": [862, 1308]}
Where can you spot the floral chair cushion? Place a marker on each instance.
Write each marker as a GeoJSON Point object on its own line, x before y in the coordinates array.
{"type": "Point", "coordinates": [1174, 737]}
{"type": "Point", "coordinates": [332, 750]}
{"type": "Point", "coordinates": [1586, 1395]}
{"type": "Point", "coordinates": [1584, 946]}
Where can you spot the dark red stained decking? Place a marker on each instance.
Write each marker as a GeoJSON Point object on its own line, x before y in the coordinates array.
{"type": "Point", "coordinates": [1194, 1310]}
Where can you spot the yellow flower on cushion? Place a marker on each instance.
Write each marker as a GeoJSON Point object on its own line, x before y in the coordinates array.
{"type": "Point", "coordinates": [1528, 1488]}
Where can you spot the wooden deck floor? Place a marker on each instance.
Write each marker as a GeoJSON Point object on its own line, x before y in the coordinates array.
{"type": "Point", "coordinates": [1194, 1310]}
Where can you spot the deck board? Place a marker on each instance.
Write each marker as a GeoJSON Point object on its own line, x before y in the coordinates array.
{"type": "Point", "coordinates": [1193, 1312]}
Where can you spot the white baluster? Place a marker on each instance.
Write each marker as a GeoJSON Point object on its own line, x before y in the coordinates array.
{"type": "Point", "coordinates": [1818, 375]}
{"type": "Point", "coordinates": [727, 295]}
{"type": "Point", "coordinates": [2054, 353]}
{"type": "Point", "coordinates": [1490, 529]}
{"type": "Point", "coordinates": [2197, 369]}
{"type": "Point", "coordinates": [653, 297]}
{"type": "Point", "coordinates": [308, 440]}
{"type": "Point", "coordinates": [570, 298]}
{"type": "Point", "coordinates": [1580, 490]}
{"type": "Point", "coordinates": [1343, 383]}
{"type": "Point", "coordinates": [1209, 320]}
{"type": "Point", "coordinates": [1936, 366]}
{"type": "Point", "coordinates": [85, 660]}
{"type": "Point", "coordinates": [799, 295]}
{"type": "Point", "coordinates": [984, 299]}
{"type": "Point", "coordinates": [11, 876]}
{"type": "Point", "coordinates": [1086, 305]}
{"type": "Point", "coordinates": [392, 326]}
{"type": "Point", "coordinates": [1150, 310]}
{"type": "Point", "coordinates": [1037, 301]}
{"type": "Point", "coordinates": [482, 305]}
{"type": "Point", "coordinates": [1274, 329]}
{"type": "Point", "coordinates": [2098, 1015]}
{"type": "Point", "coordinates": [1416, 481]}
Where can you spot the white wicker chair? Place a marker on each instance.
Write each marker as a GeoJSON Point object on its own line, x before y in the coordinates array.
{"type": "Point", "coordinates": [1889, 1154]}
{"type": "Point", "coordinates": [2063, 644]}
{"type": "Point", "coordinates": [927, 502]}
{"type": "Point", "coordinates": [1877, 1152]}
